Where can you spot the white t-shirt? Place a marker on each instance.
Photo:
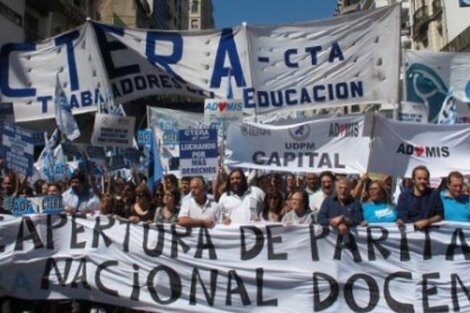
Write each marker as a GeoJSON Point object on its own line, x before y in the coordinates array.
{"type": "Point", "coordinates": [246, 208]}
{"type": "Point", "coordinates": [88, 200]}
{"type": "Point", "coordinates": [190, 208]}
{"type": "Point", "coordinates": [316, 201]}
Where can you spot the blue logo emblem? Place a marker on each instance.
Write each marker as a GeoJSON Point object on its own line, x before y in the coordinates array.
{"type": "Point", "coordinates": [424, 85]}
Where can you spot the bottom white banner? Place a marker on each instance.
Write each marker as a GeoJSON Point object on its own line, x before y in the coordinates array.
{"type": "Point", "coordinates": [239, 268]}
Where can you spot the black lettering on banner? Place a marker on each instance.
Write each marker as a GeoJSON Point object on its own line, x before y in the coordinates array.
{"type": "Point", "coordinates": [426, 292]}
{"type": "Point", "coordinates": [404, 249]}
{"type": "Point", "coordinates": [318, 303]}
{"type": "Point", "coordinates": [173, 279]}
{"type": "Point", "coordinates": [371, 242]}
{"type": "Point", "coordinates": [51, 264]}
{"type": "Point", "coordinates": [76, 229]}
{"type": "Point", "coordinates": [81, 275]}
{"type": "Point", "coordinates": [99, 284]}
{"type": "Point", "coordinates": [127, 235]}
{"type": "Point", "coordinates": [210, 296]}
{"type": "Point", "coordinates": [135, 283]}
{"type": "Point", "coordinates": [350, 244]}
{"type": "Point", "coordinates": [201, 245]}
{"type": "Point", "coordinates": [393, 304]}
{"type": "Point", "coordinates": [257, 247]}
{"type": "Point", "coordinates": [51, 218]}
{"type": "Point", "coordinates": [458, 233]}
{"type": "Point", "coordinates": [271, 241]}
{"type": "Point", "coordinates": [2, 244]}
{"type": "Point", "coordinates": [427, 253]}
{"type": "Point", "coordinates": [32, 234]}
{"type": "Point", "coordinates": [259, 290]}
{"type": "Point", "coordinates": [313, 239]}
{"type": "Point", "coordinates": [454, 278]}
{"type": "Point", "coordinates": [158, 249]}
{"type": "Point", "coordinates": [176, 238]}
{"type": "Point", "coordinates": [373, 293]}
{"type": "Point", "coordinates": [240, 289]}
{"type": "Point", "coordinates": [98, 230]}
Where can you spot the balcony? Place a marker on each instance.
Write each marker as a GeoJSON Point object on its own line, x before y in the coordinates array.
{"type": "Point", "coordinates": [421, 19]}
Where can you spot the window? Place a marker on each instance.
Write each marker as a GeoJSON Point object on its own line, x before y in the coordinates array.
{"type": "Point", "coordinates": [195, 6]}
{"type": "Point", "coordinates": [194, 24]}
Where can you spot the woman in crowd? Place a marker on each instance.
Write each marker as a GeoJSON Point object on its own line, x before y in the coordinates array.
{"type": "Point", "coordinates": [168, 212]}
{"type": "Point", "coordinates": [157, 200]}
{"type": "Point", "coordinates": [108, 204]}
{"type": "Point", "coordinates": [125, 200]}
{"type": "Point", "coordinates": [53, 189]}
{"type": "Point", "coordinates": [300, 212]}
{"type": "Point", "coordinates": [379, 208]}
{"type": "Point", "coordinates": [142, 210]}
{"type": "Point", "coordinates": [272, 209]}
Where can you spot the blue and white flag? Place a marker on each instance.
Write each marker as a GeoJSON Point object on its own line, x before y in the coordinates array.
{"type": "Point", "coordinates": [155, 165]}
{"type": "Point", "coordinates": [63, 113]}
{"type": "Point", "coordinates": [49, 158]}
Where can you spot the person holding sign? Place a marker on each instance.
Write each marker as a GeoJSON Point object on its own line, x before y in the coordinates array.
{"type": "Point", "coordinates": [79, 198]}
{"type": "Point", "coordinates": [200, 210]}
{"type": "Point", "coordinates": [420, 204]}
{"type": "Point", "coordinates": [341, 210]}
{"type": "Point", "coordinates": [240, 203]}
{"type": "Point", "coordinates": [456, 203]}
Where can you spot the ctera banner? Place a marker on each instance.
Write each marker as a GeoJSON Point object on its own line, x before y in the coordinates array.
{"type": "Point", "coordinates": [344, 60]}
{"type": "Point", "coordinates": [238, 268]}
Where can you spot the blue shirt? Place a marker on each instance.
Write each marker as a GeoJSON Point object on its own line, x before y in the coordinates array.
{"type": "Point", "coordinates": [413, 208]}
{"type": "Point", "coordinates": [381, 212]}
{"type": "Point", "coordinates": [331, 208]}
{"type": "Point", "coordinates": [456, 209]}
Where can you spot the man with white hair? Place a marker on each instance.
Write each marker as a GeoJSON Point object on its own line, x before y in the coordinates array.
{"type": "Point", "coordinates": [341, 210]}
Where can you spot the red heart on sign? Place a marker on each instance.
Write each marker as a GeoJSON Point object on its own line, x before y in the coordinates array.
{"type": "Point", "coordinates": [419, 150]}
{"type": "Point", "coordinates": [222, 106]}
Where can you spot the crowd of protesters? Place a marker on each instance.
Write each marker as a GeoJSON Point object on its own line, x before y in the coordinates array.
{"type": "Point", "coordinates": [328, 199]}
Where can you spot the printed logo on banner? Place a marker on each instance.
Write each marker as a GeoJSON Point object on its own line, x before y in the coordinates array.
{"type": "Point", "coordinates": [424, 151]}
{"type": "Point", "coordinates": [344, 129]}
{"type": "Point", "coordinates": [300, 133]}
{"type": "Point", "coordinates": [22, 206]}
{"type": "Point", "coordinates": [424, 85]}
{"type": "Point", "coordinates": [52, 205]}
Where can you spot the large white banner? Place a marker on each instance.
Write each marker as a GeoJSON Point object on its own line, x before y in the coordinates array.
{"type": "Point", "coordinates": [398, 147]}
{"type": "Point", "coordinates": [435, 78]}
{"type": "Point", "coordinates": [238, 268]}
{"type": "Point", "coordinates": [344, 60]}
{"type": "Point", "coordinates": [334, 144]}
